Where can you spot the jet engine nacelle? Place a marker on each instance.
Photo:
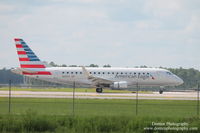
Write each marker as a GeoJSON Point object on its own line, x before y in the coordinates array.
{"type": "Point", "coordinates": [120, 85]}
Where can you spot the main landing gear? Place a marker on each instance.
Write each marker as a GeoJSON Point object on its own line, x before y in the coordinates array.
{"type": "Point", "coordinates": [161, 89]}
{"type": "Point", "coordinates": [99, 90]}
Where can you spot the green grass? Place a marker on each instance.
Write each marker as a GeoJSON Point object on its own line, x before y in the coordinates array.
{"type": "Point", "coordinates": [92, 115]}
{"type": "Point", "coordinates": [69, 90]}
{"type": "Point", "coordinates": [63, 89]}
{"type": "Point", "coordinates": [100, 107]}
{"type": "Point", "coordinates": [32, 122]}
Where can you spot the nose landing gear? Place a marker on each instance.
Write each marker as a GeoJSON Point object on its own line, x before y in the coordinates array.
{"type": "Point", "coordinates": [161, 91]}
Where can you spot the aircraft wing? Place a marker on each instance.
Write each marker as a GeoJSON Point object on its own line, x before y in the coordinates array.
{"type": "Point", "coordinates": [95, 80]}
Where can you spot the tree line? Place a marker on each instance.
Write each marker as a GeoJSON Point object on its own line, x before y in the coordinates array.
{"type": "Point", "coordinates": [64, 65]}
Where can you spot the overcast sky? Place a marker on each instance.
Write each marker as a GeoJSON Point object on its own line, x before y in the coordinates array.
{"type": "Point", "coordinates": [117, 32]}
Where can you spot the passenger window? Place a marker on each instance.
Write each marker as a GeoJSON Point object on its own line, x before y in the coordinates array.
{"type": "Point", "coordinates": [63, 72]}
{"type": "Point", "coordinates": [94, 72]}
{"type": "Point", "coordinates": [67, 72]}
{"type": "Point", "coordinates": [121, 72]}
{"type": "Point", "coordinates": [99, 73]}
{"type": "Point", "coordinates": [113, 73]}
{"type": "Point", "coordinates": [108, 72]}
{"type": "Point", "coordinates": [80, 72]}
{"type": "Point", "coordinates": [71, 72]}
{"type": "Point", "coordinates": [76, 72]}
{"type": "Point", "coordinates": [90, 72]}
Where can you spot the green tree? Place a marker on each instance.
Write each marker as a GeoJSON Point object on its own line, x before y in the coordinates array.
{"type": "Point", "coordinates": [93, 65]}
{"type": "Point", "coordinates": [53, 64]}
{"type": "Point", "coordinates": [72, 65]}
{"type": "Point", "coordinates": [107, 65]}
{"type": "Point", "coordinates": [143, 66]}
{"type": "Point", "coordinates": [63, 65]}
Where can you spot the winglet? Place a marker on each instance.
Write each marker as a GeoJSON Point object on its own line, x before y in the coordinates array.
{"type": "Point", "coordinates": [95, 80]}
{"type": "Point", "coordinates": [85, 72]}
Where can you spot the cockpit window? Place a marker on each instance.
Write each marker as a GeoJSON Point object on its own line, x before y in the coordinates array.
{"type": "Point", "coordinates": [169, 73]}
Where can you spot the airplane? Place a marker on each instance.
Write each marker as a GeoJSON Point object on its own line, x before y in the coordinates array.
{"type": "Point", "coordinates": [98, 77]}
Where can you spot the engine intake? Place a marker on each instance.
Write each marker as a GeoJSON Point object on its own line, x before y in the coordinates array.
{"type": "Point", "coordinates": [120, 85]}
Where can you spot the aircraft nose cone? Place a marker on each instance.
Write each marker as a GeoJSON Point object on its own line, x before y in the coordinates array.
{"type": "Point", "coordinates": [179, 81]}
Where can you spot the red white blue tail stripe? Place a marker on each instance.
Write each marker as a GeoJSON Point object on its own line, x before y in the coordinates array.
{"type": "Point", "coordinates": [28, 59]}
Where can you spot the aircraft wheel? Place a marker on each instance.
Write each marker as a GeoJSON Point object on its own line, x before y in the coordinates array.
{"type": "Point", "coordinates": [161, 91]}
{"type": "Point", "coordinates": [99, 90]}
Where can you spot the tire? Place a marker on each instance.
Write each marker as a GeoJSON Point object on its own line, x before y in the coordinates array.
{"type": "Point", "coordinates": [161, 91]}
{"type": "Point", "coordinates": [99, 90]}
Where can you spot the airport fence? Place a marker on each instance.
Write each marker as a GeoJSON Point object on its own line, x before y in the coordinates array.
{"type": "Point", "coordinates": [76, 106]}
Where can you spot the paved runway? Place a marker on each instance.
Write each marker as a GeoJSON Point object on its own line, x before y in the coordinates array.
{"type": "Point", "coordinates": [92, 95]}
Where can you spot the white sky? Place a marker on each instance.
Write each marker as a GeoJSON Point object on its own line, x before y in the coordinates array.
{"type": "Point", "coordinates": [116, 32]}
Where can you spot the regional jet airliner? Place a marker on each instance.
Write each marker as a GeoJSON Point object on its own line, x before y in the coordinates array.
{"type": "Point", "coordinates": [113, 77]}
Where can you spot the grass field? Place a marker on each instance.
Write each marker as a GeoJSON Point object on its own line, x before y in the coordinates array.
{"type": "Point", "coordinates": [92, 115]}
{"type": "Point", "coordinates": [68, 90]}
{"type": "Point", "coordinates": [100, 107]}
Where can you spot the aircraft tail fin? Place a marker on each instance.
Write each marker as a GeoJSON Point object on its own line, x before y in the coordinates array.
{"type": "Point", "coordinates": [27, 58]}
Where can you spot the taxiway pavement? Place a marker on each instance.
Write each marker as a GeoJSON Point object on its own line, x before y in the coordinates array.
{"type": "Point", "coordinates": [93, 95]}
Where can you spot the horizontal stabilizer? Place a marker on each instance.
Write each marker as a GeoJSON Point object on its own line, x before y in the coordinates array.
{"type": "Point", "coordinates": [23, 71]}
